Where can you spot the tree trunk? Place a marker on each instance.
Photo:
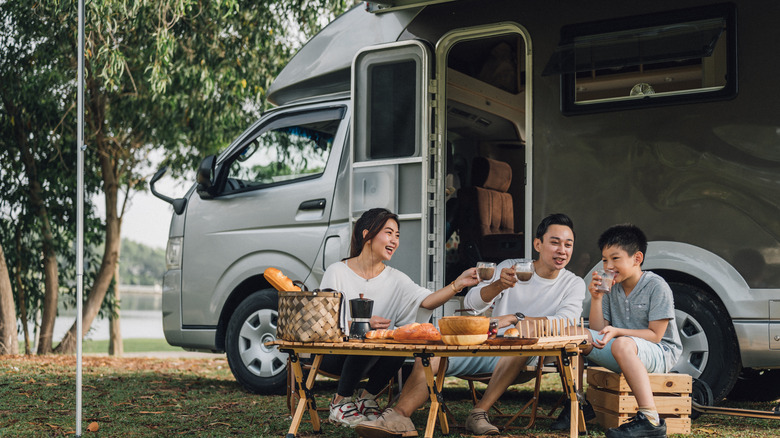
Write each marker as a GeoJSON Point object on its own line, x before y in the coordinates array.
{"type": "Point", "coordinates": [9, 339]}
{"type": "Point", "coordinates": [110, 176]}
{"type": "Point", "coordinates": [115, 347]}
{"type": "Point", "coordinates": [50, 268]}
{"type": "Point", "coordinates": [20, 296]}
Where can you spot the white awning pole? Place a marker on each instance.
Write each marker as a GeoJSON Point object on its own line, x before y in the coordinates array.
{"type": "Point", "coordinates": [80, 147]}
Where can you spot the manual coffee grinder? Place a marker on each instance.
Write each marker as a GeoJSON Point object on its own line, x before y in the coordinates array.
{"type": "Point", "coordinates": [360, 309]}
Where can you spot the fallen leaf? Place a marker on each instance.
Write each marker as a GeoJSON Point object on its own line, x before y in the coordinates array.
{"type": "Point", "coordinates": [151, 412]}
{"type": "Point", "coordinates": [93, 426]}
{"type": "Point", "coordinates": [219, 423]}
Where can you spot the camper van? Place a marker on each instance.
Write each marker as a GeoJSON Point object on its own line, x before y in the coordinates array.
{"type": "Point", "coordinates": [474, 119]}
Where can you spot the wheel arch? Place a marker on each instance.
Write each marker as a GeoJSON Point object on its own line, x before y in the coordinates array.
{"type": "Point", "coordinates": [246, 288]}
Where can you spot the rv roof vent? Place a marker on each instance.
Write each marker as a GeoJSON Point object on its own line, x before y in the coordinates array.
{"type": "Point", "coordinates": [461, 113]}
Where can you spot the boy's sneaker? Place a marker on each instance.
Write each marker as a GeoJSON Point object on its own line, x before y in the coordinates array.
{"type": "Point", "coordinates": [390, 424]}
{"type": "Point", "coordinates": [564, 418]}
{"type": "Point", "coordinates": [345, 412]}
{"type": "Point", "coordinates": [368, 407]}
{"type": "Point", "coordinates": [638, 426]}
{"type": "Point", "coordinates": [477, 423]}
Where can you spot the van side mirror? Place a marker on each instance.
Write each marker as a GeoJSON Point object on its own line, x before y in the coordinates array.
{"type": "Point", "coordinates": [205, 177]}
{"type": "Point", "coordinates": [178, 203]}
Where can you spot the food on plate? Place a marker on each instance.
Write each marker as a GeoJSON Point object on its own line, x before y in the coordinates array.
{"type": "Point", "coordinates": [278, 280]}
{"type": "Point", "coordinates": [511, 333]}
{"type": "Point", "coordinates": [417, 332]}
{"type": "Point", "coordinates": [464, 325]}
{"type": "Point", "coordinates": [380, 334]}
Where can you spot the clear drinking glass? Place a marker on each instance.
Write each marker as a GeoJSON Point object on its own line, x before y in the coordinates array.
{"type": "Point", "coordinates": [606, 280]}
{"type": "Point", "coordinates": [485, 271]}
{"type": "Point", "coordinates": [524, 269]}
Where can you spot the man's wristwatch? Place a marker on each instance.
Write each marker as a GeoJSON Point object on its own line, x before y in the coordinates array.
{"type": "Point", "coordinates": [519, 317]}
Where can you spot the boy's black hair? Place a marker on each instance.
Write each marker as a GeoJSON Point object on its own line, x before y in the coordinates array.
{"type": "Point", "coordinates": [554, 219]}
{"type": "Point", "coordinates": [627, 237]}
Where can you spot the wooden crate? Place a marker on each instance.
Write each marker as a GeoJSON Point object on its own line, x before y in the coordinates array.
{"type": "Point", "coordinates": [615, 404]}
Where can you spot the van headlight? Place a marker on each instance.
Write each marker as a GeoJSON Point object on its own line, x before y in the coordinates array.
{"type": "Point", "coordinates": [173, 253]}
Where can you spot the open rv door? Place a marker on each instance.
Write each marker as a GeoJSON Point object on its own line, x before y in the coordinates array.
{"type": "Point", "coordinates": [392, 165]}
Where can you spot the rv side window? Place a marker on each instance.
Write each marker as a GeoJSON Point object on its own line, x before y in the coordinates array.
{"type": "Point", "coordinates": [282, 153]}
{"type": "Point", "coordinates": [392, 91]}
{"type": "Point", "coordinates": [675, 57]}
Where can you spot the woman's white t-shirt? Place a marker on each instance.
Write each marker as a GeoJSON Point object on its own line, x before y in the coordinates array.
{"type": "Point", "coordinates": [396, 297]}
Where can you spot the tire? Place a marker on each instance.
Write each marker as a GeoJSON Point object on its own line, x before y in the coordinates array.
{"type": "Point", "coordinates": [259, 369]}
{"type": "Point", "coordinates": [710, 349]}
{"type": "Point", "coordinates": [756, 385]}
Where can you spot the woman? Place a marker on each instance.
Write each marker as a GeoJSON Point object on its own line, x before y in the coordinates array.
{"type": "Point", "coordinates": [397, 300]}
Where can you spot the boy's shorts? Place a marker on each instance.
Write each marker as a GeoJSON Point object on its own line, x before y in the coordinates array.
{"type": "Point", "coordinates": [473, 365]}
{"type": "Point", "coordinates": [651, 355]}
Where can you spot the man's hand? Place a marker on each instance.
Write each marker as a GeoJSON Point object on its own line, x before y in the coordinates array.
{"type": "Point", "coordinates": [507, 278]}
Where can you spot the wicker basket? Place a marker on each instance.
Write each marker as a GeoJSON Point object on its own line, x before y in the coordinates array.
{"type": "Point", "coordinates": [309, 316]}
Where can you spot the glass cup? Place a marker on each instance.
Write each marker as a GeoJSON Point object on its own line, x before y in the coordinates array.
{"type": "Point", "coordinates": [606, 280]}
{"type": "Point", "coordinates": [485, 271]}
{"type": "Point", "coordinates": [524, 269]}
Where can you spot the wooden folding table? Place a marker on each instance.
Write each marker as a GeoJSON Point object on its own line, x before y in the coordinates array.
{"type": "Point", "coordinates": [565, 348]}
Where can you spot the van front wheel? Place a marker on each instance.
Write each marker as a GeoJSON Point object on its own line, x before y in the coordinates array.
{"type": "Point", "coordinates": [259, 369]}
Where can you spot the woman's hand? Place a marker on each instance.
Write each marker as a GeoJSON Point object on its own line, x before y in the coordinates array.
{"type": "Point", "coordinates": [468, 278]}
{"type": "Point", "coordinates": [378, 323]}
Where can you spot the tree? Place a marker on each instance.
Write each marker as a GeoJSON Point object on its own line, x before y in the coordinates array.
{"type": "Point", "coordinates": [8, 342]}
{"type": "Point", "coordinates": [183, 75]}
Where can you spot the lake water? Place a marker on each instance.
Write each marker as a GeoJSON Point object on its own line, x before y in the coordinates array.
{"type": "Point", "coordinates": [140, 317]}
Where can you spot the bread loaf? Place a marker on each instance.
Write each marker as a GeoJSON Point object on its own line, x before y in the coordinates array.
{"type": "Point", "coordinates": [511, 333]}
{"type": "Point", "coordinates": [417, 332]}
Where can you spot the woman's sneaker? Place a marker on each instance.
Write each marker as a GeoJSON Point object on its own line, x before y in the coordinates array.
{"type": "Point", "coordinates": [638, 426]}
{"type": "Point", "coordinates": [368, 407]}
{"type": "Point", "coordinates": [345, 412]}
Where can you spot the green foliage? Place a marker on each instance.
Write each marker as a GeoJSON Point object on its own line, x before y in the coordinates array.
{"type": "Point", "coordinates": [183, 76]}
{"type": "Point", "coordinates": [140, 264]}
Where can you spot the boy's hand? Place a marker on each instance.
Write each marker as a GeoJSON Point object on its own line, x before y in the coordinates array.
{"type": "Point", "coordinates": [595, 281]}
{"type": "Point", "coordinates": [609, 332]}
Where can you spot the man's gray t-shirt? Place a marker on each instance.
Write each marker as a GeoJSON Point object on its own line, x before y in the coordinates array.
{"type": "Point", "coordinates": [651, 300]}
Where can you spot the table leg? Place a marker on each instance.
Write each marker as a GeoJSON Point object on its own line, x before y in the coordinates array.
{"type": "Point", "coordinates": [569, 370]}
{"type": "Point", "coordinates": [306, 399]}
{"type": "Point", "coordinates": [435, 408]}
{"type": "Point", "coordinates": [443, 410]}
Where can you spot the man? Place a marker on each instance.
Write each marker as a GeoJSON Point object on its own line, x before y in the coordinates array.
{"type": "Point", "coordinates": [551, 293]}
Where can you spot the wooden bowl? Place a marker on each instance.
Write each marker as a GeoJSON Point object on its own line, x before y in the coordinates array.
{"type": "Point", "coordinates": [464, 339]}
{"type": "Point", "coordinates": [464, 325]}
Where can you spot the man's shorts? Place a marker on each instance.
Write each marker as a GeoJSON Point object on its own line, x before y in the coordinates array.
{"type": "Point", "coordinates": [473, 365]}
{"type": "Point", "coordinates": [651, 355]}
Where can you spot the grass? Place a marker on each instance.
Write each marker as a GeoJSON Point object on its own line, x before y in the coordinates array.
{"type": "Point", "coordinates": [133, 397]}
{"type": "Point", "coordinates": [131, 345]}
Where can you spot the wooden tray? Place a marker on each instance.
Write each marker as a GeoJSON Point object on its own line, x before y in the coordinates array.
{"type": "Point", "coordinates": [393, 341]}
{"type": "Point", "coordinates": [500, 340]}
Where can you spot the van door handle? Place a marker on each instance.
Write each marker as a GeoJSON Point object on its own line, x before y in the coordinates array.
{"type": "Point", "coordinates": [314, 204]}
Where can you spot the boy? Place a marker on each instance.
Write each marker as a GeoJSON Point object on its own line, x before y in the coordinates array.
{"type": "Point", "coordinates": [632, 326]}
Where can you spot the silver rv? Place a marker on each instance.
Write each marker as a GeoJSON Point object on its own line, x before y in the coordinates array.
{"type": "Point", "coordinates": [663, 114]}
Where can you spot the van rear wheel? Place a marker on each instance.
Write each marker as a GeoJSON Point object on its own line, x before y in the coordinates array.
{"type": "Point", "coordinates": [710, 349]}
{"type": "Point", "coordinates": [259, 369]}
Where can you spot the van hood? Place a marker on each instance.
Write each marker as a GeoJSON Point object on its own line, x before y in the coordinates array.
{"type": "Point", "coordinates": [322, 65]}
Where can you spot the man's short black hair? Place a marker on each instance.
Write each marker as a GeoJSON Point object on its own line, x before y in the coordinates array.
{"type": "Point", "coordinates": [627, 237]}
{"type": "Point", "coordinates": [554, 219]}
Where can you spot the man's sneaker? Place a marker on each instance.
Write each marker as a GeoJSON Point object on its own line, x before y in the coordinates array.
{"type": "Point", "coordinates": [638, 426]}
{"type": "Point", "coordinates": [345, 412]}
{"type": "Point", "coordinates": [368, 407]}
{"type": "Point", "coordinates": [477, 423]}
{"type": "Point", "coordinates": [389, 424]}
{"type": "Point", "coordinates": [564, 418]}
